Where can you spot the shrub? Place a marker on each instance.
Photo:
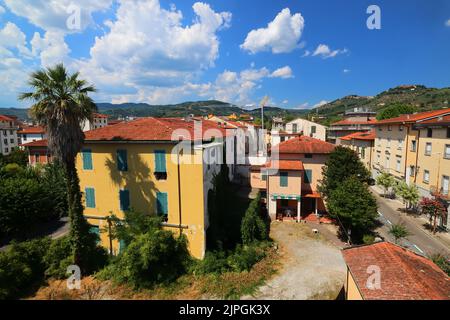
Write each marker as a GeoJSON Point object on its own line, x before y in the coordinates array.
{"type": "Point", "coordinates": [368, 239]}
{"type": "Point", "coordinates": [214, 262]}
{"type": "Point", "coordinates": [245, 257]}
{"type": "Point", "coordinates": [22, 266]}
{"type": "Point", "coordinates": [58, 258]}
{"type": "Point", "coordinates": [442, 262]}
{"type": "Point", "coordinates": [253, 227]}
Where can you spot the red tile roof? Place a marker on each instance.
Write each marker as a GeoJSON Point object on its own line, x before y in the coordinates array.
{"type": "Point", "coordinates": [411, 118]}
{"type": "Point", "coordinates": [347, 122]}
{"type": "Point", "coordinates": [30, 130]}
{"type": "Point", "coordinates": [289, 165]}
{"type": "Point", "coordinates": [154, 129]}
{"type": "Point", "coordinates": [304, 144]}
{"type": "Point", "coordinates": [437, 120]}
{"type": "Point", "coordinates": [404, 274]}
{"type": "Point", "coordinates": [99, 115]}
{"type": "Point", "coordinates": [5, 118]}
{"type": "Point", "coordinates": [39, 143]}
{"type": "Point", "coordinates": [367, 136]}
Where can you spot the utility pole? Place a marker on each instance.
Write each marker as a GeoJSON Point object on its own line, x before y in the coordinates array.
{"type": "Point", "coordinates": [262, 103]}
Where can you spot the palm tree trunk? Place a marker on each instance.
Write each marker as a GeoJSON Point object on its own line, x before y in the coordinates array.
{"type": "Point", "coordinates": [78, 224]}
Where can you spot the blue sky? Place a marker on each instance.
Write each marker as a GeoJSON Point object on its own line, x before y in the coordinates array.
{"type": "Point", "coordinates": [300, 53]}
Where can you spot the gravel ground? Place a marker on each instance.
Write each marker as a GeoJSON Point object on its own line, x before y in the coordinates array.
{"type": "Point", "coordinates": [312, 268]}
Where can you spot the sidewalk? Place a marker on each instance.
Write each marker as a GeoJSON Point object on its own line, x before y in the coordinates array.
{"type": "Point", "coordinates": [418, 220]}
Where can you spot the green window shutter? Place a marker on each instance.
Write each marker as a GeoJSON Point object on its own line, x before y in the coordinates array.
{"type": "Point", "coordinates": [122, 161]}
{"type": "Point", "coordinates": [308, 176]}
{"type": "Point", "coordinates": [124, 196]}
{"type": "Point", "coordinates": [95, 230]}
{"type": "Point", "coordinates": [263, 176]}
{"type": "Point", "coordinates": [161, 204]}
{"type": "Point", "coordinates": [122, 245]}
{"type": "Point", "coordinates": [87, 159]}
{"type": "Point", "coordinates": [160, 161]}
{"type": "Point", "coordinates": [90, 197]}
{"type": "Point", "coordinates": [283, 179]}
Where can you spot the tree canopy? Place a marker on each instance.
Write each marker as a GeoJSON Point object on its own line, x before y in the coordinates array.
{"type": "Point", "coordinates": [395, 110]}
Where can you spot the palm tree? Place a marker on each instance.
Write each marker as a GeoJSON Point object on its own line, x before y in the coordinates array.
{"type": "Point", "coordinates": [61, 103]}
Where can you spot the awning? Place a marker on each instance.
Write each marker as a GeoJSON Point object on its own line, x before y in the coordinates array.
{"type": "Point", "coordinates": [314, 195]}
{"type": "Point", "coordinates": [285, 197]}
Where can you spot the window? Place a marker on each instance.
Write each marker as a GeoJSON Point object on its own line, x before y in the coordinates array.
{"type": "Point", "coordinates": [363, 153]}
{"type": "Point", "coordinates": [445, 184]}
{"type": "Point", "coordinates": [448, 132]}
{"type": "Point", "coordinates": [413, 145]}
{"type": "Point", "coordinates": [447, 151]}
{"type": "Point", "coordinates": [387, 163]}
{"type": "Point", "coordinates": [400, 128]}
{"type": "Point", "coordinates": [389, 128]}
{"type": "Point", "coordinates": [378, 158]}
{"type": "Point", "coordinates": [11, 140]}
{"type": "Point", "coordinates": [294, 128]}
{"type": "Point", "coordinates": [124, 198]}
{"type": "Point", "coordinates": [24, 137]}
{"type": "Point", "coordinates": [308, 155]}
{"type": "Point", "coordinates": [398, 164]}
{"type": "Point", "coordinates": [426, 176]}
{"type": "Point", "coordinates": [86, 154]}
{"type": "Point", "coordinates": [429, 133]}
{"type": "Point", "coordinates": [95, 230]}
{"type": "Point", "coordinates": [161, 204]}
{"type": "Point", "coordinates": [160, 165]}
{"type": "Point", "coordinates": [283, 179]}
{"type": "Point", "coordinates": [313, 129]}
{"type": "Point", "coordinates": [6, 150]}
{"type": "Point", "coordinates": [122, 160]}
{"type": "Point", "coordinates": [400, 144]}
{"type": "Point", "coordinates": [388, 143]}
{"type": "Point", "coordinates": [263, 176]}
{"type": "Point", "coordinates": [428, 149]}
{"type": "Point", "coordinates": [90, 197]}
{"type": "Point", "coordinates": [36, 158]}
{"type": "Point", "coordinates": [412, 171]}
{"type": "Point", "coordinates": [5, 141]}
{"type": "Point", "coordinates": [380, 129]}
{"type": "Point", "coordinates": [308, 176]}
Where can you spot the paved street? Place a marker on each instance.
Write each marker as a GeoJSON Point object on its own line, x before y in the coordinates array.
{"type": "Point", "coordinates": [420, 240]}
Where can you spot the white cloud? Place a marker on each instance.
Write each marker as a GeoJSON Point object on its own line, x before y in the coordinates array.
{"type": "Point", "coordinates": [285, 101]}
{"type": "Point", "coordinates": [321, 103]}
{"type": "Point", "coordinates": [2, 10]}
{"type": "Point", "coordinates": [325, 51]}
{"type": "Point", "coordinates": [302, 106]}
{"type": "Point", "coordinates": [284, 73]}
{"type": "Point", "coordinates": [51, 48]}
{"type": "Point", "coordinates": [447, 23]}
{"type": "Point", "coordinates": [155, 49]}
{"type": "Point", "coordinates": [12, 38]}
{"type": "Point", "coordinates": [53, 15]}
{"type": "Point", "coordinates": [282, 35]}
{"type": "Point", "coordinates": [346, 70]}
{"type": "Point", "coordinates": [306, 54]}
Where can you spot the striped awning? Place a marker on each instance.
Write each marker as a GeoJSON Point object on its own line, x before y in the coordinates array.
{"type": "Point", "coordinates": [285, 197]}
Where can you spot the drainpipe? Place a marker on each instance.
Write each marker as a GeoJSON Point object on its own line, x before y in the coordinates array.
{"type": "Point", "coordinates": [417, 156]}
{"type": "Point", "coordinates": [179, 193]}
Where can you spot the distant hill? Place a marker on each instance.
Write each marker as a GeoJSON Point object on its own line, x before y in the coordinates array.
{"type": "Point", "coordinates": [417, 95]}
{"type": "Point", "coordinates": [199, 108]}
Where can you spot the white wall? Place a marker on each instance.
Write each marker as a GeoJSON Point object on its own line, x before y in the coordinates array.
{"type": "Point", "coordinates": [306, 126]}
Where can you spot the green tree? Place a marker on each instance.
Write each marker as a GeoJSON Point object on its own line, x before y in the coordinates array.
{"type": "Point", "coordinates": [17, 156]}
{"type": "Point", "coordinates": [61, 103]}
{"type": "Point", "coordinates": [354, 207]}
{"type": "Point", "coordinates": [442, 262]}
{"type": "Point", "coordinates": [409, 194]}
{"type": "Point", "coordinates": [398, 231]}
{"type": "Point", "coordinates": [342, 163]}
{"type": "Point", "coordinates": [253, 227]}
{"type": "Point", "coordinates": [394, 110]}
{"type": "Point", "coordinates": [386, 181]}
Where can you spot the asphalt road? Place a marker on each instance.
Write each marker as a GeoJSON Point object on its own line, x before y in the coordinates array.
{"type": "Point", "coordinates": [419, 240]}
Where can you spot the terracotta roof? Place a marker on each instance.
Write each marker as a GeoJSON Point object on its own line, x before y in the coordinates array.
{"type": "Point", "coordinates": [404, 274]}
{"type": "Point", "coordinates": [284, 133]}
{"type": "Point", "coordinates": [368, 136]}
{"type": "Point", "coordinates": [437, 120]}
{"type": "Point", "coordinates": [347, 122]}
{"type": "Point", "coordinates": [99, 115]}
{"type": "Point", "coordinates": [39, 143]}
{"type": "Point", "coordinates": [5, 118]}
{"type": "Point", "coordinates": [290, 165]}
{"type": "Point", "coordinates": [304, 144]}
{"type": "Point", "coordinates": [153, 129]}
{"type": "Point", "coordinates": [30, 130]}
{"type": "Point", "coordinates": [411, 118]}
{"type": "Point", "coordinates": [236, 124]}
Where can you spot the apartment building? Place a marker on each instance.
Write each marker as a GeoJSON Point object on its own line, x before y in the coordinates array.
{"type": "Point", "coordinates": [29, 134]}
{"type": "Point", "coordinates": [307, 128]}
{"type": "Point", "coordinates": [416, 148]}
{"type": "Point", "coordinates": [289, 181]}
{"type": "Point", "coordinates": [138, 165]}
{"type": "Point", "coordinates": [99, 121]}
{"type": "Point", "coordinates": [8, 134]}
{"type": "Point", "coordinates": [355, 120]}
{"type": "Point", "coordinates": [38, 152]}
{"type": "Point", "coordinates": [363, 144]}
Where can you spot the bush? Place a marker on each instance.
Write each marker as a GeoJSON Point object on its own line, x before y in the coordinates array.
{"type": "Point", "coordinates": [150, 258]}
{"type": "Point", "coordinates": [22, 266]}
{"type": "Point", "coordinates": [442, 262]}
{"type": "Point", "coordinates": [214, 262]}
{"type": "Point", "coordinates": [245, 257]}
{"type": "Point", "coordinates": [253, 227]}
{"type": "Point", "coordinates": [368, 239]}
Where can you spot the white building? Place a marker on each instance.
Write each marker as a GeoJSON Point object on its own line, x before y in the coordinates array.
{"type": "Point", "coordinates": [8, 135]}
{"type": "Point", "coordinates": [31, 134]}
{"type": "Point", "coordinates": [307, 128]}
{"type": "Point", "coordinates": [99, 121]}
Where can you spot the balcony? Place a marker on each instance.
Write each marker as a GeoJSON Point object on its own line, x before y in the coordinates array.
{"type": "Point", "coordinates": [440, 193]}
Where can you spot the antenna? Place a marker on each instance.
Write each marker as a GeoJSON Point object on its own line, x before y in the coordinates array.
{"type": "Point", "coordinates": [262, 103]}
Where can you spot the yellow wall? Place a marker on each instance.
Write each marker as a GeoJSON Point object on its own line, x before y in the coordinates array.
{"type": "Point", "coordinates": [256, 181]}
{"type": "Point", "coordinates": [391, 151]}
{"type": "Point", "coordinates": [294, 183]}
{"type": "Point", "coordinates": [359, 145]}
{"type": "Point", "coordinates": [142, 185]}
{"type": "Point", "coordinates": [351, 289]}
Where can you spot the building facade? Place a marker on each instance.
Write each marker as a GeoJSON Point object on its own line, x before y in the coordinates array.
{"type": "Point", "coordinates": [363, 144]}
{"type": "Point", "coordinates": [9, 139]}
{"type": "Point", "coordinates": [31, 134]}
{"type": "Point", "coordinates": [99, 121]}
{"type": "Point", "coordinates": [356, 120]}
{"type": "Point", "coordinates": [307, 128]}
{"type": "Point", "coordinates": [136, 165]}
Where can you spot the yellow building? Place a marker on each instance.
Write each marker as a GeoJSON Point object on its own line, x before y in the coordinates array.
{"type": "Point", "coordinates": [363, 144]}
{"type": "Point", "coordinates": [416, 148]}
{"type": "Point", "coordinates": [133, 165]}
